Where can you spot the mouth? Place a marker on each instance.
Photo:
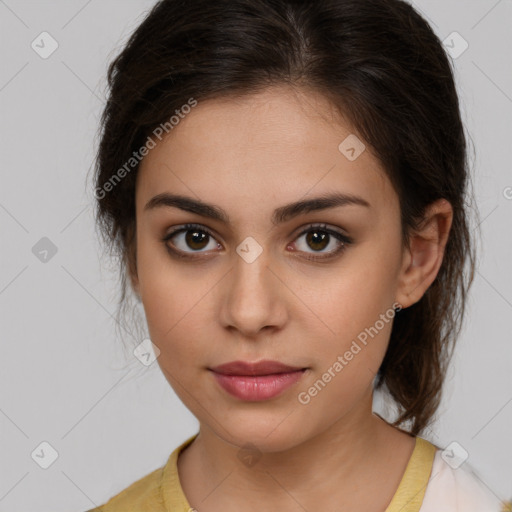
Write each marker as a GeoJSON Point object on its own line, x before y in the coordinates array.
{"type": "Point", "coordinates": [256, 381]}
{"type": "Point", "coordinates": [261, 368]}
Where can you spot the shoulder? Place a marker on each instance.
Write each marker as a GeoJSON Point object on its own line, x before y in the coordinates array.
{"type": "Point", "coordinates": [144, 494]}
{"type": "Point", "coordinates": [158, 491]}
{"type": "Point", "coordinates": [460, 488]}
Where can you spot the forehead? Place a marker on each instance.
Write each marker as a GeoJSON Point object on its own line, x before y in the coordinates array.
{"type": "Point", "coordinates": [272, 147]}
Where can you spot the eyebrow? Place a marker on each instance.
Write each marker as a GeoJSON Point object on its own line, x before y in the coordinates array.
{"type": "Point", "coordinates": [280, 215]}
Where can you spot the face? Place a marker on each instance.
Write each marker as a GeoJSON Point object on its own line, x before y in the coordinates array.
{"type": "Point", "coordinates": [310, 288]}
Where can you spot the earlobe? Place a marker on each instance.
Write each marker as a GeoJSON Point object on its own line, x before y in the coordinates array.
{"type": "Point", "coordinates": [424, 255]}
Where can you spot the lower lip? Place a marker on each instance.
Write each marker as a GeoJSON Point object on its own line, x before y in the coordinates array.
{"type": "Point", "coordinates": [257, 388]}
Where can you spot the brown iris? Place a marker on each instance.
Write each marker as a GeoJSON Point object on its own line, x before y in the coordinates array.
{"type": "Point", "coordinates": [316, 237]}
{"type": "Point", "coordinates": [194, 237]}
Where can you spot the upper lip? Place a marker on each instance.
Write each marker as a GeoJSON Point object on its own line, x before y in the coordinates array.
{"type": "Point", "coordinates": [265, 367]}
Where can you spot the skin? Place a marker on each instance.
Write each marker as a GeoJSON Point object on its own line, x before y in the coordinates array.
{"type": "Point", "coordinates": [249, 156]}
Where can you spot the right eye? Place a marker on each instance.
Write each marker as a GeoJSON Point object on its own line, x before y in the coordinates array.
{"type": "Point", "coordinates": [192, 236]}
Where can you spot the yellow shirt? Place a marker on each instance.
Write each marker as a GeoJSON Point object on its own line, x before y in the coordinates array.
{"type": "Point", "coordinates": [160, 491]}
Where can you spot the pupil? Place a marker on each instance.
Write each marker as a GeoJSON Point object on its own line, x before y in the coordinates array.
{"type": "Point", "coordinates": [317, 238]}
{"type": "Point", "coordinates": [191, 238]}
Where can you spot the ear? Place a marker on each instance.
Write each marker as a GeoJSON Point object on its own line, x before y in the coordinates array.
{"type": "Point", "coordinates": [422, 259]}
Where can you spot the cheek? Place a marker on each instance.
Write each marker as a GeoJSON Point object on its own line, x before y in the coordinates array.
{"type": "Point", "coordinates": [172, 296]}
{"type": "Point", "coordinates": [357, 306]}
{"type": "Point", "coordinates": [173, 317]}
{"type": "Point", "coordinates": [354, 296]}
{"type": "Point", "coordinates": [346, 367]}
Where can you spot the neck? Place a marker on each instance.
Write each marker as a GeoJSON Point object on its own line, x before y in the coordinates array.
{"type": "Point", "coordinates": [342, 459]}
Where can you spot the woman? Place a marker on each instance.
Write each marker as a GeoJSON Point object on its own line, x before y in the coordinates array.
{"type": "Point", "coordinates": [284, 183]}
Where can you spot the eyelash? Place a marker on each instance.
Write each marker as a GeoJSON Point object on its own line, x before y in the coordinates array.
{"type": "Point", "coordinates": [345, 240]}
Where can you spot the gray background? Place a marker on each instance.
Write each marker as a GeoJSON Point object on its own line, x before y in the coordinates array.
{"type": "Point", "coordinates": [65, 377]}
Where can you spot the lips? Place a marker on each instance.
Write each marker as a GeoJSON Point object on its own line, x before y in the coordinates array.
{"type": "Point", "coordinates": [255, 382]}
{"type": "Point", "coordinates": [244, 368]}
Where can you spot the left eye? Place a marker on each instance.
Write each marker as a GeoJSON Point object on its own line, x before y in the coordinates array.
{"type": "Point", "coordinates": [197, 237]}
{"type": "Point", "coordinates": [319, 237]}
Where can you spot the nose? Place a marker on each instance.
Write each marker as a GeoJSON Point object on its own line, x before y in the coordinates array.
{"type": "Point", "coordinates": [253, 297]}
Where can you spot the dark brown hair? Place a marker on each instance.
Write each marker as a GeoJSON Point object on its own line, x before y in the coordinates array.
{"type": "Point", "coordinates": [380, 64]}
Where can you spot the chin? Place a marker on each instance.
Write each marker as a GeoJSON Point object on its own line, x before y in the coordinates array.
{"type": "Point", "coordinates": [268, 433]}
